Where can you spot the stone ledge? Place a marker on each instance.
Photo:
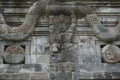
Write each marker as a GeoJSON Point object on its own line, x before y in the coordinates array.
{"type": "Point", "coordinates": [20, 68]}
{"type": "Point", "coordinates": [100, 75]}
{"type": "Point", "coordinates": [100, 67]}
{"type": "Point", "coordinates": [24, 76]}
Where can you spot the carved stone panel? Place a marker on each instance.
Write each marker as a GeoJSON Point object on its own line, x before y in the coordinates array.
{"type": "Point", "coordinates": [14, 54]}
{"type": "Point", "coordinates": [111, 54]}
{"type": "Point", "coordinates": [61, 32]}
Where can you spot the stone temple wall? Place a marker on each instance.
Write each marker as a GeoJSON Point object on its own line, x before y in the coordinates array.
{"type": "Point", "coordinates": [86, 56]}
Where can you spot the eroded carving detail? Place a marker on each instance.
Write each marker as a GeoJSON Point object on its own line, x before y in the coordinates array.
{"type": "Point", "coordinates": [40, 8]}
{"type": "Point", "coordinates": [15, 49]}
{"type": "Point", "coordinates": [14, 54]}
{"type": "Point", "coordinates": [100, 31]}
{"type": "Point", "coordinates": [111, 54]}
{"type": "Point", "coordinates": [61, 33]}
{"type": "Point", "coordinates": [24, 30]}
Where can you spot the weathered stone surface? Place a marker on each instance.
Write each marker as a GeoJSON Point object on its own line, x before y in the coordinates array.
{"type": "Point", "coordinates": [113, 67]}
{"type": "Point", "coordinates": [105, 75]}
{"type": "Point", "coordinates": [12, 68]}
{"type": "Point", "coordinates": [14, 76]}
{"type": "Point", "coordinates": [55, 58]}
{"type": "Point", "coordinates": [84, 75]}
{"type": "Point", "coordinates": [14, 54]}
{"type": "Point", "coordinates": [100, 31]}
{"type": "Point", "coordinates": [115, 75]}
{"type": "Point", "coordinates": [1, 60]}
{"type": "Point", "coordinates": [39, 76]}
{"type": "Point", "coordinates": [15, 49]}
{"type": "Point", "coordinates": [39, 45]}
{"type": "Point", "coordinates": [63, 66]}
{"type": "Point", "coordinates": [92, 68]}
{"type": "Point", "coordinates": [31, 68]}
{"type": "Point", "coordinates": [62, 76]}
{"type": "Point", "coordinates": [87, 51]}
{"type": "Point", "coordinates": [61, 33]}
{"type": "Point", "coordinates": [30, 59]}
{"type": "Point", "coordinates": [67, 56]}
{"type": "Point", "coordinates": [24, 30]}
{"type": "Point", "coordinates": [111, 54]}
{"type": "Point", "coordinates": [37, 59]}
{"type": "Point", "coordinates": [3, 68]}
{"type": "Point", "coordinates": [43, 59]}
{"type": "Point", "coordinates": [14, 58]}
{"type": "Point", "coordinates": [22, 68]}
{"type": "Point", "coordinates": [69, 66]}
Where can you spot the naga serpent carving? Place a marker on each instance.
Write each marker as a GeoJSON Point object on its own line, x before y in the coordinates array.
{"type": "Point", "coordinates": [38, 9]}
{"type": "Point", "coordinates": [111, 52]}
{"type": "Point", "coordinates": [24, 30]}
{"type": "Point", "coordinates": [100, 31]}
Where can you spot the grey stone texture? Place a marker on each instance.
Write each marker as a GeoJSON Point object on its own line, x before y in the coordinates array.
{"type": "Point", "coordinates": [77, 54]}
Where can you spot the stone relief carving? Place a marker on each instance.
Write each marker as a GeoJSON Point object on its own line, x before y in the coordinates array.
{"type": "Point", "coordinates": [39, 8]}
{"type": "Point", "coordinates": [61, 33]}
{"type": "Point", "coordinates": [24, 30]}
{"type": "Point", "coordinates": [61, 29]}
{"type": "Point", "coordinates": [100, 31]}
{"type": "Point", "coordinates": [110, 53]}
{"type": "Point", "coordinates": [14, 54]}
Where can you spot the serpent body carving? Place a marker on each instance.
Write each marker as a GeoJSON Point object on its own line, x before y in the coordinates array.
{"type": "Point", "coordinates": [100, 31]}
{"type": "Point", "coordinates": [38, 9]}
{"type": "Point", "coordinates": [24, 30]}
